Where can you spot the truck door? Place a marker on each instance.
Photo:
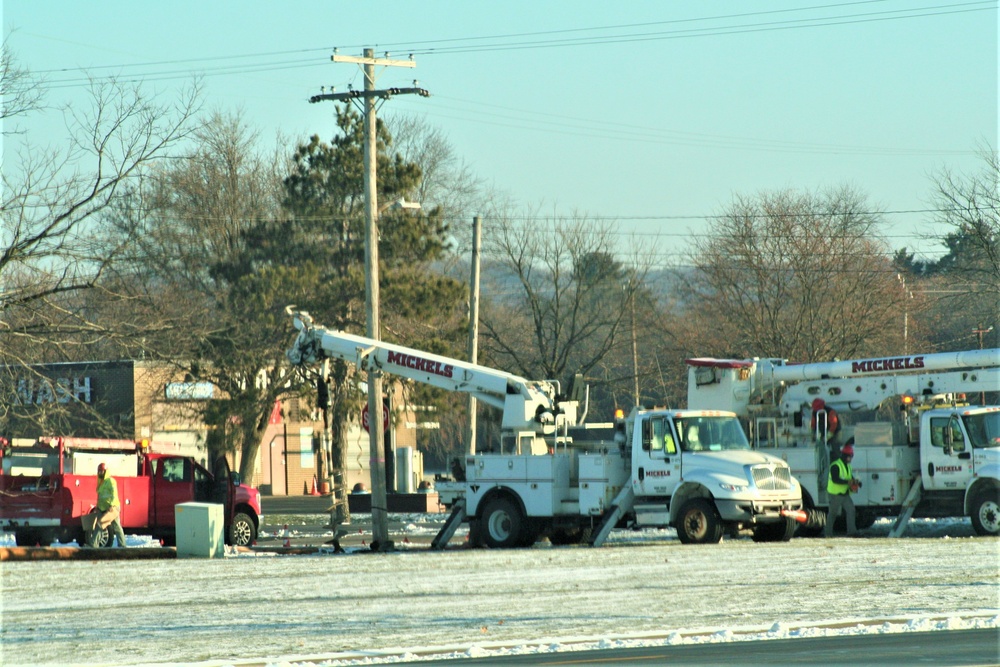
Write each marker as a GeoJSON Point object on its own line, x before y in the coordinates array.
{"type": "Point", "coordinates": [656, 466]}
{"type": "Point", "coordinates": [173, 483]}
{"type": "Point", "coordinates": [946, 453]}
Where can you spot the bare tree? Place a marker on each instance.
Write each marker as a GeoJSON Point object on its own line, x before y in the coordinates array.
{"type": "Point", "coordinates": [796, 275]}
{"type": "Point", "coordinates": [220, 318]}
{"type": "Point", "coordinates": [968, 275]}
{"type": "Point", "coordinates": [55, 240]}
{"type": "Point", "coordinates": [447, 180]}
{"type": "Point", "coordinates": [558, 299]}
{"type": "Point", "coordinates": [20, 91]}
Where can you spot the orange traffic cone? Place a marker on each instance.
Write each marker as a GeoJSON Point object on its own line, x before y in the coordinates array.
{"type": "Point", "coordinates": [315, 491]}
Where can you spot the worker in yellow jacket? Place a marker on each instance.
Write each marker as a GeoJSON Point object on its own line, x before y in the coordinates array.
{"type": "Point", "coordinates": [841, 485]}
{"type": "Point", "coordinates": [108, 507]}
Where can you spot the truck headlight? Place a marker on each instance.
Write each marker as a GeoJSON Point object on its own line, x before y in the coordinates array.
{"type": "Point", "coordinates": [733, 488]}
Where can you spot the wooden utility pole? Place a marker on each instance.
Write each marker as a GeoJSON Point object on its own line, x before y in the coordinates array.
{"type": "Point", "coordinates": [980, 331]}
{"type": "Point", "coordinates": [470, 431]}
{"type": "Point", "coordinates": [380, 519]}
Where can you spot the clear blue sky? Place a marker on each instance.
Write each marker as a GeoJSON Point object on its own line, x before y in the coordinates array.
{"type": "Point", "coordinates": [653, 112]}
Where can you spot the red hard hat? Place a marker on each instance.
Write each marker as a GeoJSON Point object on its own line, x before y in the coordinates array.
{"type": "Point", "coordinates": [848, 450]}
{"type": "Point", "coordinates": [818, 404]}
{"type": "Point", "coordinates": [101, 468]}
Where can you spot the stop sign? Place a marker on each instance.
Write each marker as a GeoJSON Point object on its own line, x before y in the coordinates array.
{"type": "Point", "coordinates": [385, 417]}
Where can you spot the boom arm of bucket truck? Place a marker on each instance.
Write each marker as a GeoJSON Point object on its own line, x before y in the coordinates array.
{"type": "Point", "coordinates": [846, 386]}
{"type": "Point", "coordinates": [526, 405]}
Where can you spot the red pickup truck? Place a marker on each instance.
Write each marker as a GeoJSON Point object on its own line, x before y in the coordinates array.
{"type": "Point", "coordinates": [48, 485]}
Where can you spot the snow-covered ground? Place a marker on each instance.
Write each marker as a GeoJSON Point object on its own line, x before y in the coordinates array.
{"type": "Point", "coordinates": [643, 588]}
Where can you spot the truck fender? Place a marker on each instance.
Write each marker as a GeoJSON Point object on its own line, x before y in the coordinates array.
{"type": "Point", "coordinates": [988, 477]}
{"type": "Point", "coordinates": [475, 509]}
{"type": "Point", "coordinates": [685, 492]}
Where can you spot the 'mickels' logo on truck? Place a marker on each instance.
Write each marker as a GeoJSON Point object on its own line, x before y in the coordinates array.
{"type": "Point", "coordinates": [420, 364]}
{"type": "Point", "coordinates": [891, 364]}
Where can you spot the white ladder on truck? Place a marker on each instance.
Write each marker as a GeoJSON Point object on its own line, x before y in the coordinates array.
{"type": "Point", "coordinates": [455, 519]}
{"type": "Point", "coordinates": [621, 504]}
{"type": "Point", "coordinates": [909, 504]}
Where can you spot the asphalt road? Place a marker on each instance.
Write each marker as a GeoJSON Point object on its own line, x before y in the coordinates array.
{"type": "Point", "coordinates": [956, 647]}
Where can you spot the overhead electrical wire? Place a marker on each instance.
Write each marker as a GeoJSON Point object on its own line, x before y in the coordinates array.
{"type": "Point", "coordinates": [492, 114]}
{"type": "Point", "coordinates": [426, 47]}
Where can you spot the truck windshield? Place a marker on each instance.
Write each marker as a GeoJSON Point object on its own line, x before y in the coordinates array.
{"type": "Point", "coordinates": [983, 429]}
{"type": "Point", "coordinates": [710, 434]}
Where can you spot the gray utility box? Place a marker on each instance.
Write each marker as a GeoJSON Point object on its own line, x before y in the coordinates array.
{"type": "Point", "coordinates": [200, 530]}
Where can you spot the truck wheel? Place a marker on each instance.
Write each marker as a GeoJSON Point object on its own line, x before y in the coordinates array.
{"type": "Point", "coordinates": [986, 513]}
{"type": "Point", "coordinates": [243, 531]}
{"type": "Point", "coordinates": [103, 539]}
{"type": "Point", "coordinates": [26, 538]}
{"type": "Point", "coordinates": [782, 531]}
{"type": "Point", "coordinates": [475, 534]}
{"type": "Point", "coordinates": [699, 523]}
{"type": "Point", "coordinates": [503, 524]}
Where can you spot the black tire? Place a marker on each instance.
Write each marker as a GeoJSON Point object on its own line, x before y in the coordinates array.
{"type": "Point", "coordinates": [27, 538]}
{"type": "Point", "coordinates": [102, 539]}
{"type": "Point", "coordinates": [782, 531]}
{"type": "Point", "coordinates": [242, 531]}
{"type": "Point", "coordinates": [699, 523]}
{"type": "Point", "coordinates": [986, 513]}
{"type": "Point", "coordinates": [503, 524]}
{"type": "Point", "coordinates": [476, 534]}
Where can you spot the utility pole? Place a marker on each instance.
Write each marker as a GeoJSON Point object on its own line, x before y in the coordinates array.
{"type": "Point", "coordinates": [470, 431]}
{"type": "Point", "coordinates": [980, 331]}
{"type": "Point", "coordinates": [635, 355]}
{"type": "Point", "coordinates": [380, 519]}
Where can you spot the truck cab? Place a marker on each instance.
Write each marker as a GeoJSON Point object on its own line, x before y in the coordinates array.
{"type": "Point", "coordinates": [960, 459]}
{"type": "Point", "coordinates": [695, 470]}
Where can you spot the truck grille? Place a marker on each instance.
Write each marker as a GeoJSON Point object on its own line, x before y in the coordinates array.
{"type": "Point", "coordinates": [772, 478]}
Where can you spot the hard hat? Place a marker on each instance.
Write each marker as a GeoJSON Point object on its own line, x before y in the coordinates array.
{"type": "Point", "coordinates": [818, 404]}
{"type": "Point", "coordinates": [101, 468]}
{"type": "Point", "coordinates": [848, 450]}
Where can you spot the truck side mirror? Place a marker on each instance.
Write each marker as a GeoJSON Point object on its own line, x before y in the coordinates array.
{"type": "Point", "coordinates": [953, 438]}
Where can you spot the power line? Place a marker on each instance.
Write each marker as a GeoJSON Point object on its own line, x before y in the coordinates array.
{"type": "Point", "coordinates": [426, 46]}
{"type": "Point", "coordinates": [610, 130]}
{"type": "Point", "coordinates": [712, 32]}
